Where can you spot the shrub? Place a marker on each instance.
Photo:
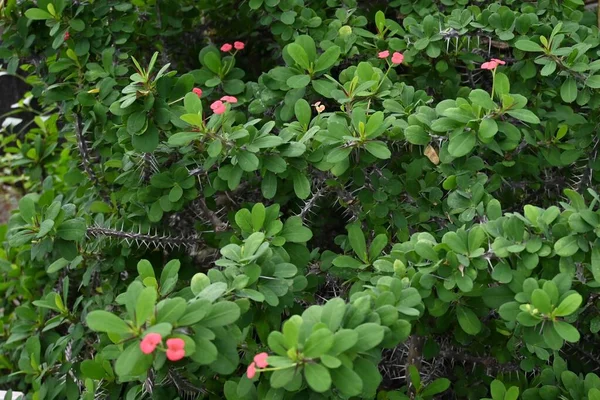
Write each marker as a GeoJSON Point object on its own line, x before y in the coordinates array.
{"type": "Point", "coordinates": [279, 199]}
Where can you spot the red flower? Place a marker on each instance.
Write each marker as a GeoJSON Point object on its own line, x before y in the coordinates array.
{"type": "Point", "coordinates": [218, 107]}
{"type": "Point", "coordinates": [251, 371]}
{"type": "Point", "coordinates": [175, 349]}
{"type": "Point", "coordinates": [66, 36]}
{"type": "Point", "coordinates": [261, 360]}
{"type": "Point", "coordinates": [239, 45]}
{"type": "Point", "coordinates": [226, 47]}
{"type": "Point", "coordinates": [397, 58]}
{"type": "Point", "coordinates": [499, 62]}
{"type": "Point", "coordinates": [149, 342]}
{"type": "Point", "coordinates": [229, 99]}
{"type": "Point", "coordinates": [198, 91]}
{"type": "Point", "coordinates": [383, 54]}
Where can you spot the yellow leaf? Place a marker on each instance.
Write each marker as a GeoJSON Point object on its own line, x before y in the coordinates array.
{"type": "Point", "coordinates": [432, 155]}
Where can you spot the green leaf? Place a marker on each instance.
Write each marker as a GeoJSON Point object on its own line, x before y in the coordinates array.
{"type": "Point", "coordinates": [92, 369]}
{"type": "Point", "coordinates": [487, 130]}
{"type": "Point", "coordinates": [327, 59]}
{"type": "Point", "coordinates": [596, 261]}
{"type": "Point", "coordinates": [247, 161]}
{"type": "Point", "coordinates": [136, 122]}
{"type": "Point", "coordinates": [301, 185]}
{"type": "Point", "coordinates": [468, 321]}
{"type": "Point", "coordinates": [299, 55]}
{"type": "Point", "coordinates": [461, 143]}
{"type": "Point", "coordinates": [221, 314]}
{"type": "Point", "coordinates": [255, 4]}
{"type": "Point", "coordinates": [502, 85]}
{"type": "Point", "coordinates": [378, 149]}
{"type": "Point", "coordinates": [212, 60]}
{"type": "Point", "coordinates": [566, 246]}
{"type": "Point", "coordinates": [73, 229]}
{"type": "Point", "coordinates": [343, 340]}
{"type": "Point", "coordinates": [145, 269]}
{"type": "Point", "coordinates": [456, 244]}
{"type": "Point", "coordinates": [438, 386]}
{"type": "Point", "coordinates": [567, 331]}
{"type": "Point", "coordinates": [192, 103]}
{"type": "Point", "coordinates": [541, 301]}
{"type": "Point", "coordinates": [356, 237]}
{"type": "Point", "coordinates": [369, 336]}
{"type": "Point", "coordinates": [482, 98]}
{"type": "Point", "coordinates": [347, 381]}
{"type": "Point", "coordinates": [568, 90]}
{"type": "Point", "coordinates": [144, 308]}
{"type": "Point", "coordinates": [170, 310]}
{"type": "Point", "coordinates": [594, 394]}
{"type": "Point", "coordinates": [498, 390]}
{"type": "Point", "coordinates": [132, 362]}
{"type": "Point", "coordinates": [258, 216]}
{"type": "Point", "coordinates": [45, 228]}
{"type": "Point", "coordinates": [215, 148]}
{"type": "Point", "coordinates": [569, 305]}
{"type": "Point", "coordinates": [57, 265]}
{"type": "Point", "coordinates": [333, 312]}
{"type": "Point", "coordinates": [293, 231]}
{"type": "Point", "coordinates": [593, 82]}
{"type": "Point", "coordinates": [303, 112]}
{"type": "Point", "coordinates": [529, 46]}
{"type": "Point", "coordinates": [194, 312]}
{"type": "Point", "coordinates": [38, 14]}
{"type": "Point", "coordinates": [298, 81]}
{"type": "Point", "coordinates": [282, 377]}
{"type": "Point", "coordinates": [347, 262]}
{"type": "Point", "coordinates": [27, 209]}
{"type": "Point", "coordinates": [175, 193]}
{"type": "Point", "coordinates": [524, 115]}
{"type": "Point", "coordinates": [338, 154]}
{"type": "Point", "coordinates": [103, 321]}
{"type": "Point", "coordinates": [377, 246]}
{"type": "Point", "coordinates": [317, 377]}
{"type": "Point", "coordinates": [318, 343]}
{"type": "Point", "coordinates": [206, 352]}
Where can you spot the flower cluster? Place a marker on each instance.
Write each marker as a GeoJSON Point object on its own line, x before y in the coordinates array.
{"type": "Point", "coordinates": [492, 64]}
{"type": "Point", "coordinates": [220, 106]}
{"type": "Point", "coordinates": [175, 346]}
{"type": "Point", "coordinates": [236, 45]}
{"type": "Point", "coordinates": [397, 57]}
{"type": "Point", "coordinates": [260, 361]}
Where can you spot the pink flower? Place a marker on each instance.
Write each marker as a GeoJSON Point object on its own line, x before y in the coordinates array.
{"type": "Point", "coordinates": [383, 54]}
{"type": "Point", "coordinates": [320, 108]}
{"type": "Point", "coordinates": [239, 45]}
{"type": "Point", "coordinates": [229, 99]}
{"type": "Point", "coordinates": [261, 360]}
{"type": "Point", "coordinates": [198, 91]}
{"type": "Point", "coordinates": [226, 47]}
{"type": "Point", "coordinates": [218, 107]}
{"type": "Point", "coordinates": [175, 349]}
{"type": "Point", "coordinates": [251, 371]}
{"type": "Point", "coordinates": [66, 36]}
{"type": "Point", "coordinates": [490, 65]}
{"type": "Point", "coordinates": [397, 58]}
{"type": "Point", "coordinates": [149, 342]}
{"type": "Point", "coordinates": [499, 62]}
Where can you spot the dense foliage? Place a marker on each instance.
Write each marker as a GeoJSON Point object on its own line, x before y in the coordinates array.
{"type": "Point", "coordinates": [294, 199]}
